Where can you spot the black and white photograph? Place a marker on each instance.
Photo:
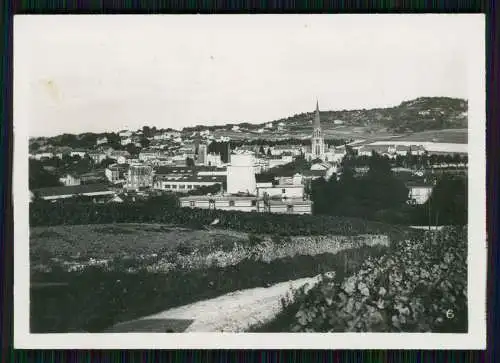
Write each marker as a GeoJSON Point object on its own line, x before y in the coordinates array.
{"type": "Point", "coordinates": [182, 178]}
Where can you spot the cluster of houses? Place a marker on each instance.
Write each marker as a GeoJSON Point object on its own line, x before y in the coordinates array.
{"type": "Point", "coordinates": [164, 167]}
{"type": "Point", "coordinates": [390, 151]}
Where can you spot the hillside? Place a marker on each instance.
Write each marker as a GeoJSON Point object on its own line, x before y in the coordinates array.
{"type": "Point", "coordinates": [416, 116]}
{"type": "Point", "coordinates": [421, 114]}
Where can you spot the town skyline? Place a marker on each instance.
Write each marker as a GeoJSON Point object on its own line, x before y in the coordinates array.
{"type": "Point", "coordinates": [207, 75]}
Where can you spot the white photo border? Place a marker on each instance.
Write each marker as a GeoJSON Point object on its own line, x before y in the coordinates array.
{"type": "Point", "coordinates": [477, 246]}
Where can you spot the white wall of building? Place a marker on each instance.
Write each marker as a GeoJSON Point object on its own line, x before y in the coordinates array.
{"type": "Point", "coordinates": [70, 180]}
{"type": "Point", "coordinates": [419, 194]}
{"type": "Point", "coordinates": [288, 191]}
{"type": "Point", "coordinates": [213, 160]}
{"type": "Point", "coordinates": [182, 186]}
{"type": "Point", "coordinates": [241, 174]}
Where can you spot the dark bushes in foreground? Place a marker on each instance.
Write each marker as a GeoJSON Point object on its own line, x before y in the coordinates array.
{"type": "Point", "coordinates": [70, 213]}
{"type": "Point", "coordinates": [420, 286]}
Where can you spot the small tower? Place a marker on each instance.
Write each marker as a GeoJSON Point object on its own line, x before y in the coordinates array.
{"type": "Point", "coordinates": [318, 143]}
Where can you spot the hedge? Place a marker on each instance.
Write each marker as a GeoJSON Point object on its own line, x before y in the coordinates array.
{"type": "Point", "coordinates": [68, 213]}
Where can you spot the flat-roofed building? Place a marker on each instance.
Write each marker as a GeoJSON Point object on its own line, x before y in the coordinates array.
{"type": "Point", "coordinates": [185, 183]}
{"type": "Point", "coordinates": [95, 191]}
{"type": "Point", "coordinates": [234, 202]}
{"type": "Point", "coordinates": [248, 203]}
{"type": "Point", "coordinates": [70, 180]}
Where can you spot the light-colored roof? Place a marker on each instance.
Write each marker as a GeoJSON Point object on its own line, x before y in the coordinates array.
{"type": "Point", "coordinates": [192, 179]}
{"type": "Point", "coordinates": [72, 190]}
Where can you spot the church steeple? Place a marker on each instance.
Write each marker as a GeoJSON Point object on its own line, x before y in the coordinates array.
{"type": "Point", "coordinates": [317, 123]}
{"type": "Point", "coordinates": [317, 142]}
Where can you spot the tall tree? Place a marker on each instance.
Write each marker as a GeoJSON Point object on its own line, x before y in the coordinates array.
{"type": "Point", "coordinates": [447, 203]}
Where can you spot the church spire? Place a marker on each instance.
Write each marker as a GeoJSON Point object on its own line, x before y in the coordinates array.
{"type": "Point", "coordinates": [317, 124]}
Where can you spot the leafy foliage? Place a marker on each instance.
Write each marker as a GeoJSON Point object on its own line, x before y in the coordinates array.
{"type": "Point", "coordinates": [378, 190]}
{"type": "Point", "coordinates": [421, 286]}
{"type": "Point", "coordinates": [39, 177]}
{"type": "Point", "coordinates": [447, 204]}
{"type": "Point", "coordinates": [164, 209]}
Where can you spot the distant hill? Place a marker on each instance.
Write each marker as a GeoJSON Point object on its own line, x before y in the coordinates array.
{"type": "Point", "coordinates": [421, 114]}
{"type": "Point", "coordinates": [409, 117]}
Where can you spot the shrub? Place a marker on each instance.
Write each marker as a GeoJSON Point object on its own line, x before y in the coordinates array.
{"type": "Point", "coordinates": [421, 286]}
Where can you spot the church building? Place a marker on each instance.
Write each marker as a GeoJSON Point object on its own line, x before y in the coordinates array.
{"type": "Point", "coordinates": [317, 141]}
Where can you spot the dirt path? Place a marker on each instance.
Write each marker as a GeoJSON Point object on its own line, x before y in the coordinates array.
{"type": "Point", "coordinates": [236, 311]}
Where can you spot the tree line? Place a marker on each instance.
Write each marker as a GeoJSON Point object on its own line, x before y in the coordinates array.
{"type": "Point", "coordinates": [380, 195]}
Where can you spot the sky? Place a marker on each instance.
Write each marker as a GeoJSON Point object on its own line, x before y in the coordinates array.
{"type": "Point", "coordinates": [93, 73]}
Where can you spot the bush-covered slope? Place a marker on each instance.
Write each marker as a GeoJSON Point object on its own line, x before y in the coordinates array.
{"type": "Point", "coordinates": [420, 286]}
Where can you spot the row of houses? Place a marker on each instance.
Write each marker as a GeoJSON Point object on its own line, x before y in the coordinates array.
{"type": "Point", "coordinates": [391, 151]}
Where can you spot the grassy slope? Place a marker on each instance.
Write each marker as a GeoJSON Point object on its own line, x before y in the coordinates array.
{"type": "Point", "coordinates": [118, 240]}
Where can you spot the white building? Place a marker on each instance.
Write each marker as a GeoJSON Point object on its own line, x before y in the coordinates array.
{"type": "Point", "coordinates": [115, 173]}
{"type": "Point", "coordinates": [402, 150]}
{"type": "Point", "coordinates": [236, 203]}
{"type": "Point", "coordinates": [419, 193]}
{"type": "Point", "coordinates": [121, 156]}
{"type": "Point", "coordinates": [101, 140]}
{"type": "Point", "coordinates": [214, 160]}
{"type": "Point", "coordinates": [417, 150]}
{"type": "Point", "coordinates": [97, 157]}
{"type": "Point", "coordinates": [80, 153]}
{"type": "Point", "coordinates": [139, 177]}
{"type": "Point", "coordinates": [241, 174]}
{"type": "Point", "coordinates": [149, 154]}
{"type": "Point", "coordinates": [126, 141]}
{"type": "Point", "coordinates": [125, 133]}
{"type": "Point", "coordinates": [43, 155]}
{"type": "Point", "coordinates": [70, 180]}
{"type": "Point", "coordinates": [286, 188]}
{"type": "Point", "coordinates": [184, 183]}
{"type": "Point", "coordinates": [261, 165]}
{"type": "Point", "coordinates": [96, 191]}
{"type": "Point", "coordinates": [286, 149]}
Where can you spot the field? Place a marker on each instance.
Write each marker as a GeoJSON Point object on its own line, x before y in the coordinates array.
{"type": "Point", "coordinates": [122, 240]}
{"type": "Point", "coordinates": [451, 136]}
{"type": "Point", "coordinates": [152, 267]}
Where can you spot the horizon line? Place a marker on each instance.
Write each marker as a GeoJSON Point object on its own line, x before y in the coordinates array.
{"type": "Point", "coordinates": [235, 123]}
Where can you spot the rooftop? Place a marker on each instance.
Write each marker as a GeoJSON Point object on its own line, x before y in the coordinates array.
{"type": "Point", "coordinates": [72, 190]}
{"type": "Point", "coordinates": [173, 170]}
{"type": "Point", "coordinates": [192, 178]}
{"type": "Point", "coordinates": [219, 197]}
